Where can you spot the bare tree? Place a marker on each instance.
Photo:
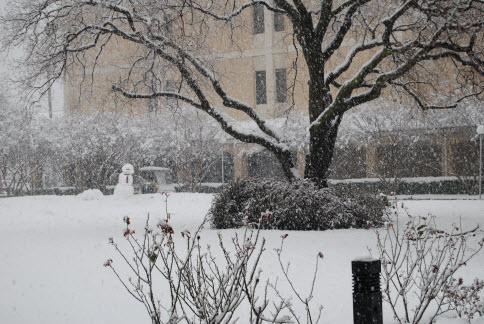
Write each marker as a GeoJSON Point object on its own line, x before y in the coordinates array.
{"type": "Point", "coordinates": [24, 151]}
{"type": "Point", "coordinates": [392, 44]}
{"type": "Point", "coordinates": [194, 150]}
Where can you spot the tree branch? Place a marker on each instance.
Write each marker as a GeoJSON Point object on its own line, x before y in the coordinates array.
{"type": "Point", "coordinates": [424, 106]}
{"type": "Point", "coordinates": [343, 30]}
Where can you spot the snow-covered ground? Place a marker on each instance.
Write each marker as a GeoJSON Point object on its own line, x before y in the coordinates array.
{"type": "Point", "coordinates": [52, 251]}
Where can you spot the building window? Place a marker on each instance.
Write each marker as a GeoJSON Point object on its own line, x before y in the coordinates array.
{"type": "Point", "coordinates": [258, 19]}
{"type": "Point", "coordinates": [349, 162]}
{"type": "Point", "coordinates": [221, 170]}
{"type": "Point", "coordinates": [264, 165]}
{"type": "Point", "coordinates": [168, 25]}
{"type": "Point", "coordinates": [278, 21]}
{"type": "Point", "coordinates": [281, 87]}
{"type": "Point", "coordinates": [153, 104]}
{"type": "Point", "coordinates": [260, 87]}
{"type": "Point", "coordinates": [170, 87]}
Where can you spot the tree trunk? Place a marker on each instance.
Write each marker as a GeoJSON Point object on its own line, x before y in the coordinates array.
{"type": "Point", "coordinates": [322, 137]}
{"type": "Point", "coordinates": [287, 164]}
{"type": "Point", "coordinates": [321, 149]}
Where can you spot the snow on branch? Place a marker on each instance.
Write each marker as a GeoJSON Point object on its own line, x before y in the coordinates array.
{"type": "Point", "coordinates": [343, 30]}
{"type": "Point", "coordinates": [208, 10]}
{"type": "Point", "coordinates": [425, 106]}
{"type": "Point", "coordinates": [227, 100]}
{"type": "Point", "coordinates": [343, 67]}
{"type": "Point", "coordinates": [165, 94]}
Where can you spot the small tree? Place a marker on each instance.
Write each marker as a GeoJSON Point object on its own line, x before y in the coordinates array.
{"type": "Point", "coordinates": [91, 149]}
{"type": "Point", "coordinates": [204, 288]}
{"type": "Point", "coordinates": [25, 148]}
{"type": "Point", "coordinates": [196, 147]}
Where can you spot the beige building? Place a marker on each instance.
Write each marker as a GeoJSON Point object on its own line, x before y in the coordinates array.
{"type": "Point", "coordinates": [255, 61]}
{"type": "Point", "coordinates": [257, 54]}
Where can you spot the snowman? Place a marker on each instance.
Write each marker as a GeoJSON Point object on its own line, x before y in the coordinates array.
{"type": "Point", "coordinates": [124, 188]}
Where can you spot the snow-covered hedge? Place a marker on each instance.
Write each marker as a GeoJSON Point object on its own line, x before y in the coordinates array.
{"type": "Point", "coordinates": [411, 186]}
{"type": "Point", "coordinates": [38, 154]}
{"type": "Point", "coordinates": [294, 206]}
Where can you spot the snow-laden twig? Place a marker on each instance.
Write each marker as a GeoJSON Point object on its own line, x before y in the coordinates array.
{"type": "Point", "coordinates": [419, 265]}
{"type": "Point", "coordinates": [203, 288]}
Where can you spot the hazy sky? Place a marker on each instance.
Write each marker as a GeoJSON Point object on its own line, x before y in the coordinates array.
{"type": "Point", "coordinates": [6, 71]}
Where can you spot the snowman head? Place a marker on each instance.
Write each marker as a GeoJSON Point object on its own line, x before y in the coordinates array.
{"type": "Point", "coordinates": [128, 169]}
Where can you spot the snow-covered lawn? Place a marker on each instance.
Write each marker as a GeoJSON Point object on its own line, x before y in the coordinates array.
{"type": "Point", "coordinates": [52, 250]}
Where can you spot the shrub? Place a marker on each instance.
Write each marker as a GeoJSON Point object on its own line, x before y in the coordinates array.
{"type": "Point", "coordinates": [208, 285]}
{"type": "Point", "coordinates": [419, 265]}
{"type": "Point", "coordinates": [200, 188]}
{"type": "Point", "coordinates": [412, 186]}
{"type": "Point", "coordinates": [465, 299]}
{"type": "Point", "coordinates": [294, 206]}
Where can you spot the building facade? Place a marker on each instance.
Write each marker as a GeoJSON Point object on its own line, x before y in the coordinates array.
{"type": "Point", "coordinates": [257, 63]}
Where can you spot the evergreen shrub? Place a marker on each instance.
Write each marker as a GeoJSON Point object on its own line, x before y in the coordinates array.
{"type": "Point", "coordinates": [294, 206]}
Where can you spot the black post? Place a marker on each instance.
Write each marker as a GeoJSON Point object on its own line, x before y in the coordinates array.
{"type": "Point", "coordinates": [367, 298]}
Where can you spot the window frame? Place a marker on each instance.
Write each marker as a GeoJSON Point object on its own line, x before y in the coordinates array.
{"type": "Point", "coordinates": [260, 87]}
{"type": "Point", "coordinates": [258, 19]}
{"type": "Point", "coordinates": [281, 85]}
{"type": "Point", "coordinates": [170, 86]}
{"type": "Point", "coordinates": [279, 22]}
{"type": "Point", "coordinates": [168, 27]}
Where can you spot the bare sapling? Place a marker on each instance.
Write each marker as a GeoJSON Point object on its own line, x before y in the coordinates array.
{"type": "Point", "coordinates": [202, 284]}
{"type": "Point", "coordinates": [419, 266]}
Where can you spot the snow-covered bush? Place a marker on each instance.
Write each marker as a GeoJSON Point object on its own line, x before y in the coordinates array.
{"type": "Point", "coordinates": [419, 265]}
{"type": "Point", "coordinates": [87, 151]}
{"type": "Point", "coordinates": [294, 206]}
{"type": "Point", "coordinates": [194, 146]}
{"type": "Point", "coordinates": [93, 148]}
{"type": "Point", "coordinates": [25, 148]}
{"type": "Point", "coordinates": [91, 194]}
{"type": "Point", "coordinates": [409, 186]}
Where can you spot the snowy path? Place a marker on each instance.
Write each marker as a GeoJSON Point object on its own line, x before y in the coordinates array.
{"type": "Point", "coordinates": [52, 250]}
